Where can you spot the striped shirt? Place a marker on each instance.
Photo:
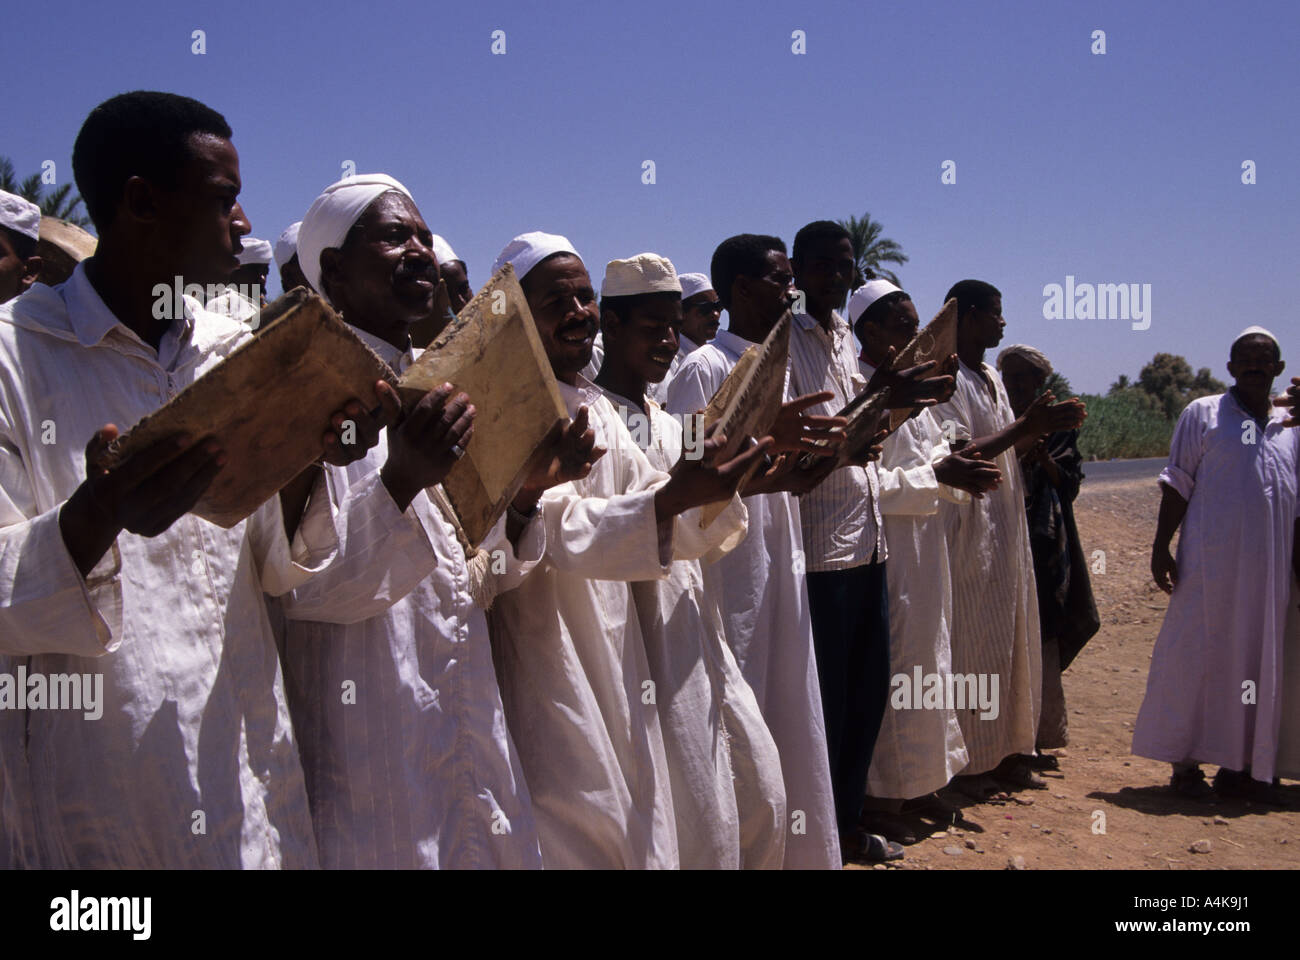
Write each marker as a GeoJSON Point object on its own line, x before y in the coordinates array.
{"type": "Point", "coordinates": [841, 516]}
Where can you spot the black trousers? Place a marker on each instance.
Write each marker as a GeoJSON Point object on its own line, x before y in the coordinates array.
{"type": "Point", "coordinates": [850, 621]}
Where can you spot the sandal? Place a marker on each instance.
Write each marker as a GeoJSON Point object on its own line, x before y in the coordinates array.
{"type": "Point", "coordinates": [870, 848]}
{"type": "Point", "coordinates": [890, 826]}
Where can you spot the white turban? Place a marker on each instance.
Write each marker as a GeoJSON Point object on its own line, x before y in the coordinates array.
{"type": "Point", "coordinates": [529, 249]}
{"type": "Point", "coordinates": [644, 273]}
{"type": "Point", "coordinates": [287, 245]}
{"type": "Point", "coordinates": [334, 213]}
{"type": "Point", "coordinates": [20, 215]}
{"type": "Point", "coordinates": [866, 295]}
{"type": "Point", "coordinates": [1035, 358]}
{"type": "Point", "coordinates": [443, 251]}
{"type": "Point", "coordinates": [693, 283]}
{"type": "Point", "coordinates": [1256, 331]}
{"type": "Point", "coordinates": [254, 252]}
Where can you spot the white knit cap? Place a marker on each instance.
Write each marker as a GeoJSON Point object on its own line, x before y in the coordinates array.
{"type": "Point", "coordinates": [1256, 331]}
{"type": "Point", "coordinates": [254, 252]}
{"type": "Point", "coordinates": [644, 273]}
{"type": "Point", "coordinates": [287, 245]}
{"type": "Point", "coordinates": [693, 283]}
{"type": "Point", "coordinates": [529, 249]}
{"type": "Point", "coordinates": [20, 215]}
{"type": "Point", "coordinates": [334, 213]}
{"type": "Point", "coordinates": [866, 295]}
{"type": "Point", "coordinates": [443, 251]}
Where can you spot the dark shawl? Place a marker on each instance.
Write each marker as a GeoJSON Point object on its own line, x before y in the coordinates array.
{"type": "Point", "coordinates": [1066, 609]}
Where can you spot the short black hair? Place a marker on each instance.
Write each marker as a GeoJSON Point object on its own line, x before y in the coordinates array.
{"type": "Point", "coordinates": [878, 311]}
{"type": "Point", "coordinates": [24, 246]}
{"type": "Point", "coordinates": [816, 232]}
{"type": "Point", "coordinates": [971, 293]}
{"type": "Point", "coordinates": [144, 133]}
{"type": "Point", "coordinates": [744, 255]}
{"type": "Point", "coordinates": [1277, 349]}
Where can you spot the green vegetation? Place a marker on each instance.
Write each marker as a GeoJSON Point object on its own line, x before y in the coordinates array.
{"type": "Point", "coordinates": [870, 250]}
{"type": "Point", "coordinates": [1136, 419]}
{"type": "Point", "coordinates": [60, 202]}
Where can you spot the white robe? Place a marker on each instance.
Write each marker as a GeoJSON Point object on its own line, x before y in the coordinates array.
{"type": "Point", "coordinates": [918, 750]}
{"type": "Point", "coordinates": [576, 684]}
{"type": "Point", "coordinates": [761, 590]}
{"type": "Point", "coordinates": [405, 751]}
{"type": "Point", "coordinates": [1288, 738]}
{"type": "Point", "coordinates": [995, 631]}
{"type": "Point", "coordinates": [728, 795]}
{"type": "Point", "coordinates": [192, 763]}
{"type": "Point", "coordinates": [1226, 620]}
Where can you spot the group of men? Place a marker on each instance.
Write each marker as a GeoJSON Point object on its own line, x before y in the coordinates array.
{"type": "Point", "coordinates": [673, 650]}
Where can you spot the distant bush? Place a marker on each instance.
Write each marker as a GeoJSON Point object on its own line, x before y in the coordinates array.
{"type": "Point", "coordinates": [1122, 425]}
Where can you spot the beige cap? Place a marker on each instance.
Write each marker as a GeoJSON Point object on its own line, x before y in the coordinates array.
{"type": "Point", "coordinates": [644, 273]}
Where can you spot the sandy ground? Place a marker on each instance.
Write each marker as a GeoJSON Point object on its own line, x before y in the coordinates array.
{"type": "Point", "coordinates": [1100, 783]}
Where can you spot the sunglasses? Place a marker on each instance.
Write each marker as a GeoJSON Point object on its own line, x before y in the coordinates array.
{"type": "Point", "coordinates": [709, 306]}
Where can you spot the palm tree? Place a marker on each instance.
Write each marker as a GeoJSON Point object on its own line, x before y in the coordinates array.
{"type": "Point", "coordinates": [57, 203]}
{"type": "Point", "coordinates": [870, 250]}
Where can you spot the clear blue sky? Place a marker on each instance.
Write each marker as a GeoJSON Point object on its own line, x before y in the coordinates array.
{"type": "Point", "coordinates": [1122, 168]}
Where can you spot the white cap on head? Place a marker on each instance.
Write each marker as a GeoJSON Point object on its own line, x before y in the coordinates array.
{"type": "Point", "coordinates": [529, 249]}
{"type": "Point", "coordinates": [20, 215]}
{"type": "Point", "coordinates": [644, 273]}
{"type": "Point", "coordinates": [254, 252]}
{"type": "Point", "coordinates": [1031, 355]}
{"type": "Point", "coordinates": [866, 295]}
{"type": "Point", "coordinates": [1256, 331]}
{"type": "Point", "coordinates": [287, 245]}
{"type": "Point", "coordinates": [334, 213]}
{"type": "Point", "coordinates": [443, 251]}
{"type": "Point", "coordinates": [693, 283]}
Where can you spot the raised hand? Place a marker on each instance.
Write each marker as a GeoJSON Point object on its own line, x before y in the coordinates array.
{"type": "Point", "coordinates": [695, 482]}
{"type": "Point", "coordinates": [145, 494]}
{"type": "Point", "coordinates": [1046, 416]}
{"type": "Point", "coordinates": [344, 444]}
{"type": "Point", "coordinates": [968, 470]}
{"type": "Point", "coordinates": [1290, 399]}
{"type": "Point", "coordinates": [570, 456]}
{"type": "Point", "coordinates": [426, 444]}
{"type": "Point", "coordinates": [795, 431]}
{"type": "Point", "coordinates": [910, 387]}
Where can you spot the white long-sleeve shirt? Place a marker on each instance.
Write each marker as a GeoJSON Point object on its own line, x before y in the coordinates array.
{"type": "Point", "coordinates": [578, 690]}
{"type": "Point", "coordinates": [192, 763]}
{"type": "Point", "coordinates": [399, 719]}
{"type": "Point", "coordinates": [919, 749]}
{"type": "Point", "coordinates": [728, 796]}
{"type": "Point", "coordinates": [761, 590]}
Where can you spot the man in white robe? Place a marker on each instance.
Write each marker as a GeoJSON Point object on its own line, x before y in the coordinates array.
{"type": "Point", "coordinates": [20, 223]}
{"type": "Point", "coordinates": [759, 586]}
{"type": "Point", "coordinates": [700, 313]}
{"type": "Point", "coordinates": [189, 758]}
{"type": "Point", "coordinates": [728, 797]}
{"type": "Point", "coordinates": [403, 738]}
{"type": "Point", "coordinates": [575, 680]}
{"type": "Point", "coordinates": [995, 631]}
{"type": "Point", "coordinates": [285, 253]}
{"type": "Point", "coordinates": [1215, 691]}
{"type": "Point", "coordinates": [20, 229]}
{"type": "Point", "coordinates": [920, 747]}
